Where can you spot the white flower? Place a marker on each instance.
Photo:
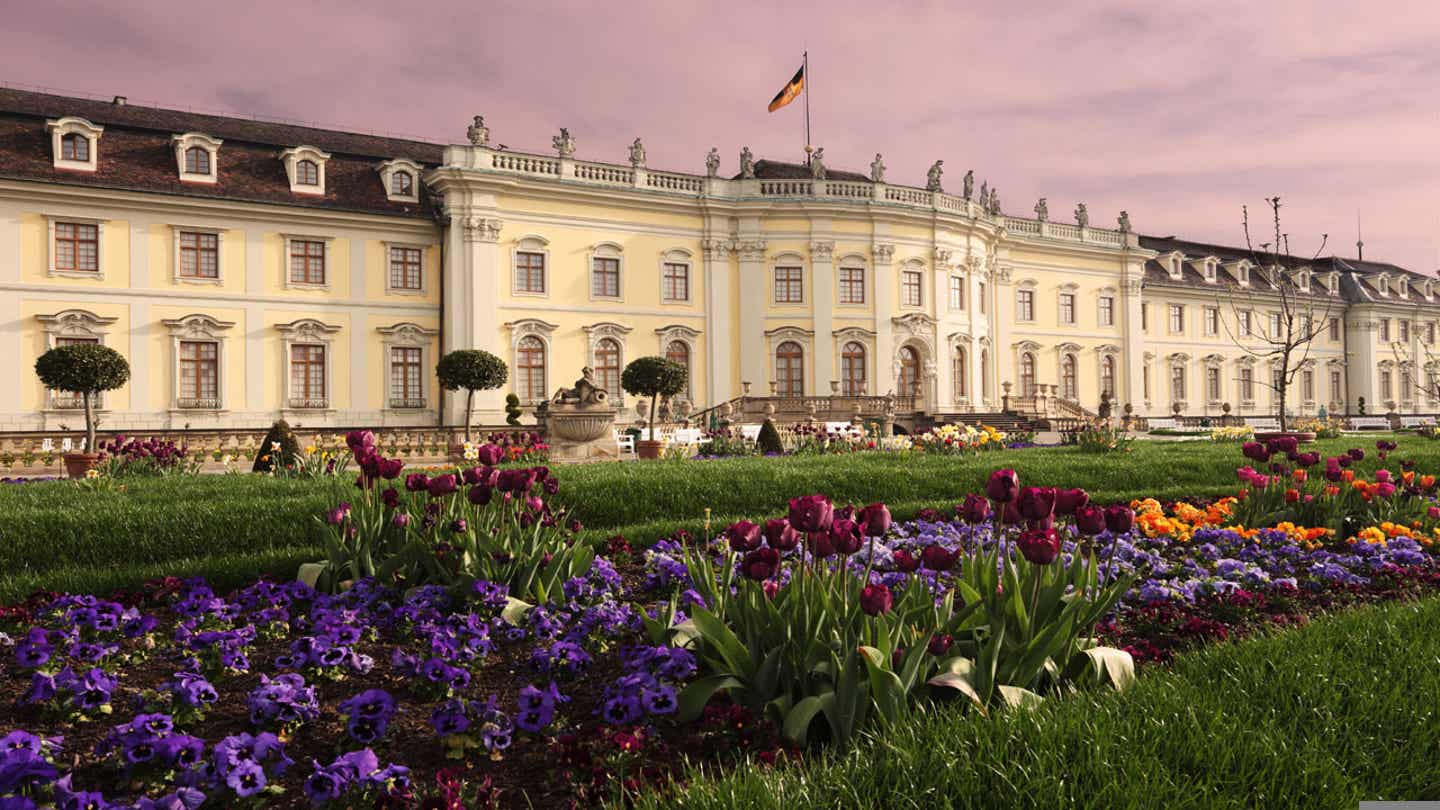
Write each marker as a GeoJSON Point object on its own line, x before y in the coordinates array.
{"type": "Point", "coordinates": [274, 447]}
{"type": "Point", "coordinates": [471, 451]}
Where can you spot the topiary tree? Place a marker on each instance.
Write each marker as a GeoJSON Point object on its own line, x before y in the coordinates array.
{"type": "Point", "coordinates": [768, 442]}
{"type": "Point", "coordinates": [512, 409]}
{"type": "Point", "coordinates": [268, 458]}
{"type": "Point", "coordinates": [654, 377]}
{"type": "Point", "coordinates": [86, 369]}
{"type": "Point", "coordinates": [471, 370]}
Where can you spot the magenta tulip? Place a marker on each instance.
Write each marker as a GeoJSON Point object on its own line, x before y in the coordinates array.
{"type": "Point", "coordinates": [1039, 546]}
{"type": "Point", "coordinates": [875, 520]}
{"type": "Point", "coordinates": [845, 535]}
{"type": "Point", "coordinates": [760, 564]}
{"type": "Point", "coordinates": [937, 558]}
{"type": "Point", "coordinates": [1119, 518]}
{"type": "Point", "coordinates": [1003, 486]}
{"type": "Point", "coordinates": [743, 536]}
{"type": "Point", "coordinates": [1036, 503]}
{"type": "Point", "coordinates": [811, 513]}
{"type": "Point", "coordinates": [780, 535]}
{"type": "Point", "coordinates": [975, 509]}
{"type": "Point", "coordinates": [1090, 520]}
{"type": "Point", "coordinates": [1067, 501]}
{"type": "Point", "coordinates": [876, 600]}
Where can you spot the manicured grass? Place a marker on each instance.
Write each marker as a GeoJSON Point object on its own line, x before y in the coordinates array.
{"type": "Point", "coordinates": [1323, 716]}
{"type": "Point", "coordinates": [60, 532]}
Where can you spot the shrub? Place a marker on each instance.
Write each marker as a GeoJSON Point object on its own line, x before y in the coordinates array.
{"type": "Point", "coordinates": [471, 370]}
{"type": "Point", "coordinates": [768, 442]}
{"type": "Point", "coordinates": [279, 451]}
{"type": "Point", "coordinates": [512, 409]}
{"type": "Point", "coordinates": [654, 377]}
{"type": "Point", "coordinates": [1102, 438]}
{"type": "Point", "coordinates": [151, 457]}
{"type": "Point", "coordinates": [85, 369]}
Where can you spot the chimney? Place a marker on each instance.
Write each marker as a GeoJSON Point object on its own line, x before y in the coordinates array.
{"type": "Point", "coordinates": [118, 101]}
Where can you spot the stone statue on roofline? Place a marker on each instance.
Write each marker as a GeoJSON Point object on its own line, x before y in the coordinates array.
{"type": "Point", "coordinates": [932, 177]}
{"type": "Point", "coordinates": [747, 164]}
{"type": "Point", "coordinates": [1082, 216]}
{"type": "Point", "coordinates": [985, 196]}
{"type": "Point", "coordinates": [877, 169]}
{"type": "Point", "coordinates": [1042, 210]}
{"type": "Point", "coordinates": [564, 143]}
{"type": "Point", "coordinates": [817, 164]}
{"type": "Point", "coordinates": [968, 185]}
{"type": "Point", "coordinates": [712, 162]}
{"type": "Point", "coordinates": [995, 201]}
{"type": "Point", "coordinates": [1124, 220]}
{"type": "Point", "coordinates": [477, 132]}
{"type": "Point", "coordinates": [637, 154]}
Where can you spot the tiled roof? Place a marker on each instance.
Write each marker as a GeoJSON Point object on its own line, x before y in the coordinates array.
{"type": "Point", "coordinates": [136, 154]}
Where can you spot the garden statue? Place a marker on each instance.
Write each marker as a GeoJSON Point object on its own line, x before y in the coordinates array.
{"type": "Point", "coordinates": [877, 169]}
{"type": "Point", "coordinates": [932, 177]}
{"type": "Point", "coordinates": [1082, 217]}
{"type": "Point", "coordinates": [1042, 210]}
{"type": "Point", "coordinates": [564, 143]}
{"type": "Point", "coordinates": [817, 164]}
{"type": "Point", "coordinates": [477, 132]}
{"type": "Point", "coordinates": [584, 394]}
{"type": "Point", "coordinates": [968, 185]}
{"type": "Point", "coordinates": [579, 421]}
{"type": "Point", "coordinates": [637, 154]}
{"type": "Point", "coordinates": [1124, 220]}
{"type": "Point", "coordinates": [747, 164]}
{"type": "Point", "coordinates": [1104, 410]}
{"type": "Point", "coordinates": [712, 162]}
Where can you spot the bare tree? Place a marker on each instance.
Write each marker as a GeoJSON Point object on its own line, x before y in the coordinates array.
{"type": "Point", "coordinates": [1284, 340]}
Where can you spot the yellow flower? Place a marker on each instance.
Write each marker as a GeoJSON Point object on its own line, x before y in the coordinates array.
{"type": "Point", "coordinates": [92, 473]}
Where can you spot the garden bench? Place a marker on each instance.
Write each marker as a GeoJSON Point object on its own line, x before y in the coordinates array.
{"type": "Point", "coordinates": [626, 442]}
{"type": "Point", "coordinates": [1164, 423]}
{"type": "Point", "coordinates": [1417, 421]}
{"type": "Point", "coordinates": [1263, 423]}
{"type": "Point", "coordinates": [1369, 423]}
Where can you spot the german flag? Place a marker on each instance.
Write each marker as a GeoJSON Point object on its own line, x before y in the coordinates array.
{"type": "Point", "coordinates": [790, 91]}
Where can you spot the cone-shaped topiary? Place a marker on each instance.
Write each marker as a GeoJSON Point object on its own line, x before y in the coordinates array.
{"type": "Point", "coordinates": [471, 370]}
{"type": "Point", "coordinates": [267, 458]}
{"type": "Point", "coordinates": [768, 441]}
{"type": "Point", "coordinates": [85, 369]}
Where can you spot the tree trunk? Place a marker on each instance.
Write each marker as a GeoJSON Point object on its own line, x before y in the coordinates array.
{"type": "Point", "coordinates": [469, 401]}
{"type": "Point", "coordinates": [89, 422]}
{"type": "Point", "coordinates": [653, 397]}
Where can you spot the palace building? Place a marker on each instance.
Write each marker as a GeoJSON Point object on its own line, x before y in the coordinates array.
{"type": "Point", "coordinates": [251, 270]}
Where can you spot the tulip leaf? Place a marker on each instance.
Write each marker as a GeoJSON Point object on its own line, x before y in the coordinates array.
{"type": "Point", "coordinates": [959, 682]}
{"type": "Point", "coordinates": [514, 611]}
{"type": "Point", "coordinates": [718, 636]}
{"type": "Point", "coordinates": [797, 721]}
{"type": "Point", "coordinates": [691, 702]}
{"type": "Point", "coordinates": [1017, 698]}
{"type": "Point", "coordinates": [885, 689]}
{"type": "Point", "coordinates": [1107, 666]}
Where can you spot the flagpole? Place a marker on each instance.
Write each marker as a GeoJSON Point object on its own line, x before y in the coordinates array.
{"type": "Point", "coordinates": [805, 69]}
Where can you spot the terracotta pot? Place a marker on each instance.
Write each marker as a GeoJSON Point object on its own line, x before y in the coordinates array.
{"type": "Point", "coordinates": [1303, 437]}
{"type": "Point", "coordinates": [77, 464]}
{"type": "Point", "coordinates": [647, 449]}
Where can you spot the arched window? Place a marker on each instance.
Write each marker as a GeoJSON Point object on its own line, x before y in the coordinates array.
{"type": "Point", "coordinates": [909, 385]}
{"type": "Point", "coordinates": [530, 368]}
{"type": "Point", "coordinates": [1027, 374]}
{"type": "Point", "coordinates": [75, 147]}
{"type": "Point", "coordinates": [957, 370]}
{"type": "Point", "coordinates": [852, 370]}
{"type": "Point", "coordinates": [1107, 376]}
{"type": "Point", "coordinates": [678, 351]}
{"type": "Point", "coordinates": [789, 369]}
{"type": "Point", "coordinates": [197, 160]}
{"type": "Point", "coordinates": [607, 365]}
{"type": "Point", "coordinates": [402, 184]}
{"type": "Point", "coordinates": [307, 173]}
{"type": "Point", "coordinates": [1068, 388]}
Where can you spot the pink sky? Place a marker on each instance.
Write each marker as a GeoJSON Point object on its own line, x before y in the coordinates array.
{"type": "Point", "coordinates": [1179, 113]}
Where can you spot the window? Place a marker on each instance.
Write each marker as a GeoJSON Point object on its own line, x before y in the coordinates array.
{"type": "Point", "coordinates": [1107, 310]}
{"type": "Point", "coordinates": [199, 374]}
{"type": "Point", "coordinates": [1025, 305]}
{"type": "Point", "coordinates": [607, 364]}
{"type": "Point", "coordinates": [406, 390]}
{"type": "Point", "coordinates": [1385, 330]}
{"type": "Point", "coordinates": [1335, 386]}
{"type": "Point", "coordinates": [789, 285]}
{"type": "Point", "coordinates": [1245, 323]}
{"type": "Point", "coordinates": [1107, 376]}
{"type": "Point", "coordinates": [852, 369]}
{"type": "Point", "coordinates": [1277, 381]}
{"type": "Point", "coordinates": [909, 383]}
{"type": "Point", "coordinates": [1277, 326]}
{"type": "Point", "coordinates": [77, 247]}
{"type": "Point", "coordinates": [1212, 321]}
{"type": "Point", "coordinates": [605, 279]}
{"type": "Point", "coordinates": [1404, 385]}
{"type": "Point", "coordinates": [75, 147]}
{"type": "Point", "coordinates": [910, 288]}
{"type": "Point", "coordinates": [199, 255]}
{"type": "Point", "coordinates": [1404, 331]}
{"type": "Point", "coordinates": [307, 173]}
{"type": "Point", "coordinates": [957, 293]}
{"type": "Point", "coordinates": [1334, 328]}
{"type": "Point", "coordinates": [1067, 307]}
{"type": "Point", "coordinates": [1068, 388]}
{"type": "Point", "coordinates": [1177, 319]}
{"type": "Point", "coordinates": [789, 369]}
{"type": "Point", "coordinates": [1177, 383]}
{"type": "Point", "coordinates": [1212, 383]}
{"type": "Point", "coordinates": [1307, 385]}
{"type": "Point", "coordinates": [402, 184]}
{"type": "Point", "coordinates": [1247, 385]}
{"type": "Point", "coordinates": [678, 351]}
{"type": "Point", "coordinates": [675, 282]}
{"type": "Point", "coordinates": [529, 272]}
{"type": "Point", "coordinates": [405, 271]}
{"type": "Point", "coordinates": [1027, 374]}
{"type": "Point", "coordinates": [1385, 386]}
{"type": "Point", "coordinates": [68, 399]}
{"type": "Point", "coordinates": [852, 285]}
{"type": "Point", "coordinates": [530, 368]}
{"type": "Point", "coordinates": [197, 160]}
{"type": "Point", "coordinates": [984, 303]}
{"type": "Point", "coordinates": [1144, 317]}
{"type": "Point", "coordinates": [307, 261]}
{"type": "Point", "coordinates": [958, 369]}
{"type": "Point", "coordinates": [307, 376]}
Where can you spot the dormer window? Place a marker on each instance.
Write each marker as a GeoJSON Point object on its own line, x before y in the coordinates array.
{"type": "Point", "coordinates": [1210, 264]}
{"type": "Point", "coordinates": [401, 178]}
{"type": "Point", "coordinates": [1302, 281]}
{"type": "Point", "coordinates": [196, 157]}
{"type": "Point", "coordinates": [1383, 285]}
{"type": "Point", "coordinates": [1429, 290]}
{"type": "Point", "coordinates": [74, 142]}
{"type": "Point", "coordinates": [1177, 264]}
{"type": "Point", "coordinates": [1333, 284]}
{"type": "Point", "coordinates": [1402, 287]}
{"type": "Point", "coordinates": [306, 167]}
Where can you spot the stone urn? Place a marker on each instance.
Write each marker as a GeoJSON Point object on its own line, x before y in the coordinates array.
{"type": "Point", "coordinates": [579, 422]}
{"type": "Point", "coordinates": [579, 426]}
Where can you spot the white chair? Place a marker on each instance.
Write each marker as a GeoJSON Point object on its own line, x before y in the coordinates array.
{"type": "Point", "coordinates": [67, 444]}
{"type": "Point", "coordinates": [626, 442]}
{"type": "Point", "coordinates": [749, 432]}
{"type": "Point", "coordinates": [688, 436]}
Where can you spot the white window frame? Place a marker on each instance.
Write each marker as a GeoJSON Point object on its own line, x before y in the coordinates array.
{"type": "Point", "coordinates": [219, 234]}
{"type": "Point", "coordinates": [292, 158]}
{"type": "Point", "coordinates": [55, 272]}
{"type": "Point", "coordinates": [1212, 321]}
{"type": "Point", "coordinates": [387, 171]}
{"type": "Point", "coordinates": [962, 284]}
{"type": "Point", "coordinates": [308, 332]}
{"type": "Point", "coordinates": [73, 323]}
{"type": "Point", "coordinates": [406, 335]}
{"type": "Point", "coordinates": [918, 270]}
{"type": "Point", "coordinates": [72, 125]}
{"type": "Point", "coordinates": [184, 143]}
{"type": "Point", "coordinates": [1074, 320]}
{"type": "Point", "coordinates": [390, 289]}
{"type": "Point", "coordinates": [604, 250]}
{"type": "Point", "coordinates": [532, 243]}
{"type": "Point", "coordinates": [289, 239]}
{"type": "Point", "coordinates": [199, 328]}
{"type": "Point", "coordinates": [1171, 311]}
{"type": "Point", "coordinates": [789, 261]}
{"type": "Point", "coordinates": [1028, 287]}
{"type": "Point", "coordinates": [677, 256]}
{"type": "Point", "coordinates": [688, 336]}
{"type": "Point", "coordinates": [540, 330]}
{"type": "Point", "coordinates": [596, 332]}
{"type": "Point", "coordinates": [850, 262]}
{"type": "Point", "coordinates": [1101, 316]}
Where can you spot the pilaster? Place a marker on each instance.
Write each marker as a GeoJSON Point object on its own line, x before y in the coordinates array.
{"type": "Point", "coordinates": [139, 351]}
{"type": "Point", "coordinates": [719, 316]}
{"type": "Point", "coordinates": [1130, 389]}
{"type": "Point", "coordinates": [822, 296]}
{"type": "Point", "coordinates": [882, 257]}
{"type": "Point", "coordinates": [754, 363]}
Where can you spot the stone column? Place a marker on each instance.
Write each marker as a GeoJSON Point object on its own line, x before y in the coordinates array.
{"type": "Point", "coordinates": [1002, 314]}
{"type": "Point", "coordinates": [1131, 387]}
{"type": "Point", "coordinates": [822, 305]}
{"type": "Point", "coordinates": [719, 315]}
{"type": "Point", "coordinates": [944, 397]}
{"type": "Point", "coordinates": [883, 253]}
{"type": "Point", "coordinates": [754, 295]}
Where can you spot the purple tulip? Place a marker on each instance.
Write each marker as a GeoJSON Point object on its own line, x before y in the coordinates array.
{"type": "Point", "coordinates": [1039, 546]}
{"type": "Point", "coordinates": [1069, 500]}
{"type": "Point", "coordinates": [875, 520]}
{"type": "Point", "coordinates": [490, 454]}
{"type": "Point", "coordinates": [1037, 503]}
{"type": "Point", "coordinates": [1090, 520]}
{"type": "Point", "coordinates": [975, 509]}
{"type": "Point", "coordinates": [760, 564]}
{"type": "Point", "coordinates": [417, 482]}
{"type": "Point", "coordinates": [845, 536]}
{"type": "Point", "coordinates": [937, 558]}
{"type": "Point", "coordinates": [780, 535]}
{"type": "Point", "coordinates": [820, 545]}
{"type": "Point", "coordinates": [1003, 486]}
{"type": "Point", "coordinates": [743, 536]}
{"type": "Point", "coordinates": [1119, 518]}
{"type": "Point", "coordinates": [811, 513]}
{"type": "Point", "coordinates": [876, 600]}
{"type": "Point", "coordinates": [442, 485]}
{"type": "Point", "coordinates": [904, 560]}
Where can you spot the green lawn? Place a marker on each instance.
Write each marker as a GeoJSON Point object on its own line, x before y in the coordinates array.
{"type": "Point", "coordinates": [1324, 716]}
{"type": "Point", "coordinates": [60, 535]}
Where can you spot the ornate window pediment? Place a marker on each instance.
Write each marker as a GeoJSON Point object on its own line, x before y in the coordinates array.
{"type": "Point", "coordinates": [75, 323]}
{"type": "Point", "coordinates": [1178, 357]}
{"type": "Point", "coordinates": [305, 166]}
{"type": "Point", "coordinates": [197, 157]}
{"type": "Point", "coordinates": [1027, 346]}
{"type": "Point", "coordinates": [197, 327]}
{"type": "Point", "coordinates": [74, 143]}
{"type": "Point", "coordinates": [1107, 348]}
{"type": "Point", "coordinates": [407, 334]}
{"type": "Point", "coordinates": [307, 330]}
{"type": "Point", "coordinates": [781, 333]}
{"type": "Point", "coordinates": [1067, 347]}
{"type": "Point", "coordinates": [401, 178]}
{"type": "Point", "coordinates": [677, 331]}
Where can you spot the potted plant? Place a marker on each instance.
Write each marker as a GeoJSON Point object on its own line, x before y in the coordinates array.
{"type": "Point", "coordinates": [86, 369]}
{"type": "Point", "coordinates": [470, 370]}
{"type": "Point", "coordinates": [652, 377]}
